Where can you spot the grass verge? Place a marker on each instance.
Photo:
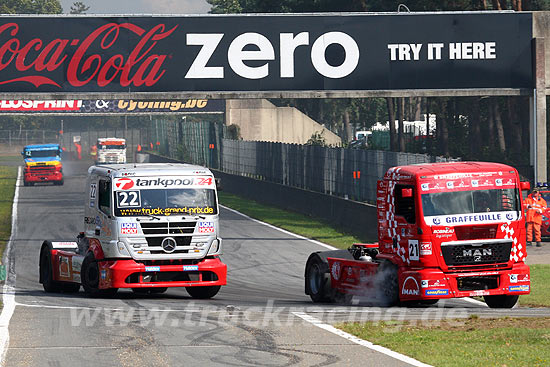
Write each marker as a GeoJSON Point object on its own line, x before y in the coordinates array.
{"type": "Point", "coordinates": [8, 176]}
{"type": "Point", "coordinates": [540, 287]}
{"type": "Point", "coordinates": [293, 222]}
{"type": "Point", "coordinates": [503, 342]}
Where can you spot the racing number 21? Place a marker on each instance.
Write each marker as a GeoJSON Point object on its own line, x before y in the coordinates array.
{"type": "Point", "coordinates": [414, 251]}
{"type": "Point", "coordinates": [128, 198]}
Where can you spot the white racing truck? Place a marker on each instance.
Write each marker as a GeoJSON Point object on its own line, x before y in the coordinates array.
{"type": "Point", "coordinates": [147, 227]}
{"type": "Point", "coordinates": [111, 150]}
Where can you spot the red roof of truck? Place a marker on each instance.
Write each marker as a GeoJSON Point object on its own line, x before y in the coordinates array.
{"type": "Point", "coordinates": [429, 169]}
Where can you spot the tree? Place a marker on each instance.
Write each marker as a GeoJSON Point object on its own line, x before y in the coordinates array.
{"type": "Point", "coordinates": [30, 7]}
{"type": "Point", "coordinates": [79, 8]}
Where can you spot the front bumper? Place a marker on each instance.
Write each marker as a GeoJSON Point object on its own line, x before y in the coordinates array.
{"type": "Point", "coordinates": [434, 284]}
{"type": "Point", "coordinates": [132, 274]}
{"type": "Point", "coordinates": [43, 177]}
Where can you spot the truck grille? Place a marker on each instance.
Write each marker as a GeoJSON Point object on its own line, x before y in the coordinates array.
{"type": "Point", "coordinates": [42, 170]}
{"type": "Point", "coordinates": [470, 254]}
{"type": "Point", "coordinates": [156, 232]}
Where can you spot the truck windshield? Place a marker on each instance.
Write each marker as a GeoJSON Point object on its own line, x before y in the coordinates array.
{"type": "Point", "coordinates": [165, 202]}
{"type": "Point", "coordinates": [468, 202]}
{"type": "Point", "coordinates": [40, 153]}
{"type": "Point", "coordinates": [112, 147]}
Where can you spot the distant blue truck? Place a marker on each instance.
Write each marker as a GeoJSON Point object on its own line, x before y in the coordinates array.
{"type": "Point", "coordinates": [43, 164]}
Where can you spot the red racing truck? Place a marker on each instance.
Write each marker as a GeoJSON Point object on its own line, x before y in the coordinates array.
{"type": "Point", "coordinates": [445, 230]}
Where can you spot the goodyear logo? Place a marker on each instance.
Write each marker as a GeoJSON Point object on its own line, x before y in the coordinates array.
{"type": "Point", "coordinates": [436, 292]}
{"type": "Point", "coordinates": [518, 288]}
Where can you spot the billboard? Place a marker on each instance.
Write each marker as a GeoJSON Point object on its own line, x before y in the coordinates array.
{"type": "Point", "coordinates": [111, 106]}
{"type": "Point", "coordinates": [323, 52]}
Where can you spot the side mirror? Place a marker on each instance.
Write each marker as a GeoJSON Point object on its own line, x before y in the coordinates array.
{"type": "Point", "coordinates": [525, 185]}
{"type": "Point", "coordinates": [23, 154]}
{"type": "Point", "coordinates": [218, 184]}
{"type": "Point", "coordinates": [406, 193]}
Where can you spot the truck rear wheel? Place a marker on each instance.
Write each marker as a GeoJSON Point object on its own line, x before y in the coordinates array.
{"type": "Point", "coordinates": [90, 278]}
{"type": "Point", "coordinates": [501, 301]}
{"type": "Point", "coordinates": [318, 280]}
{"type": "Point", "coordinates": [203, 292]}
{"type": "Point", "coordinates": [46, 272]}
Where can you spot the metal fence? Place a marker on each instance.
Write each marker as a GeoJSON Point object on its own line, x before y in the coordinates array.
{"type": "Point", "coordinates": [349, 173]}
{"type": "Point", "coordinates": [19, 138]}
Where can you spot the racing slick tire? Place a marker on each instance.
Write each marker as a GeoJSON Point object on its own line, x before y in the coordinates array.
{"type": "Point", "coordinates": [389, 284]}
{"type": "Point", "coordinates": [318, 279]}
{"type": "Point", "coordinates": [59, 183]}
{"type": "Point", "coordinates": [90, 278]}
{"type": "Point", "coordinates": [149, 290]}
{"type": "Point", "coordinates": [501, 301]}
{"type": "Point", "coordinates": [46, 272]}
{"type": "Point", "coordinates": [26, 183]}
{"type": "Point", "coordinates": [70, 287]}
{"type": "Point", "coordinates": [203, 292]}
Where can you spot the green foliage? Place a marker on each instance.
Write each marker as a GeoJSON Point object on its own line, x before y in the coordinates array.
{"type": "Point", "coordinates": [317, 138]}
{"type": "Point", "coordinates": [79, 8]}
{"type": "Point", "coordinates": [30, 7]}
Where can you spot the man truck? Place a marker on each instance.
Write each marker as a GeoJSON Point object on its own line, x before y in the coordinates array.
{"type": "Point", "coordinates": [445, 230]}
{"type": "Point", "coordinates": [147, 227]}
{"type": "Point", "coordinates": [42, 164]}
{"type": "Point", "coordinates": [111, 150]}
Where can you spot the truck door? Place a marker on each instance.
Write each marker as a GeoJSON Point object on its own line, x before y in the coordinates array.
{"type": "Point", "coordinates": [405, 241]}
{"type": "Point", "coordinates": [103, 221]}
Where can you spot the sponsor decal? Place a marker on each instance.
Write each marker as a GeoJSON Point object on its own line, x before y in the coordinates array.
{"type": "Point", "coordinates": [103, 274]}
{"type": "Point", "coordinates": [206, 227]}
{"type": "Point", "coordinates": [436, 292]}
{"type": "Point", "coordinates": [425, 248]}
{"type": "Point", "coordinates": [523, 277]}
{"type": "Point", "coordinates": [97, 221]}
{"type": "Point", "coordinates": [93, 191]}
{"type": "Point", "coordinates": [128, 228]}
{"type": "Point", "coordinates": [410, 287]}
{"type": "Point", "coordinates": [92, 203]}
{"type": "Point", "coordinates": [190, 267]}
{"type": "Point", "coordinates": [498, 182]}
{"type": "Point", "coordinates": [450, 185]}
{"type": "Point", "coordinates": [475, 183]}
{"type": "Point", "coordinates": [518, 288]}
{"type": "Point", "coordinates": [513, 278]}
{"type": "Point", "coordinates": [462, 219]}
{"type": "Point", "coordinates": [430, 283]}
{"type": "Point", "coordinates": [64, 268]}
{"type": "Point", "coordinates": [336, 269]}
{"type": "Point", "coordinates": [124, 183]}
{"type": "Point", "coordinates": [152, 268]}
{"type": "Point", "coordinates": [446, 232]}
{"type": "Point", "coordinates": [425, 186]}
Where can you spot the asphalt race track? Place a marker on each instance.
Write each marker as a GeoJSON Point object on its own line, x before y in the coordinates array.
{"type": "Point", "coordinates": [261, 318]}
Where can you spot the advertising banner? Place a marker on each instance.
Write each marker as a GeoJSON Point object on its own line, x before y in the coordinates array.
{"type": "Point", "coordinates": [293, 52]}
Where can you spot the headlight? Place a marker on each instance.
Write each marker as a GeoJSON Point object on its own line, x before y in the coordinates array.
{"type": "Point", "coordinates": [215, 247]}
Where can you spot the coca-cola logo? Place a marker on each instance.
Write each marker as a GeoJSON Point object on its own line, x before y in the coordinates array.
{"type": "Point", "coordinates": [134, 67]}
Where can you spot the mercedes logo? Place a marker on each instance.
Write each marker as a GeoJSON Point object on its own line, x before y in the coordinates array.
{"type": "Point", "coordinates": [168, 244]}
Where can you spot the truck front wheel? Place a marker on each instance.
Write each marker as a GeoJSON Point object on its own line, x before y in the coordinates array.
{"type": "Point", "coordinates": [389, 284]}
{"type": "Point", "coordinates": [318, 280]}
{"type": "Point", "coordinates": [203, 292]}
{"type": "Point", "coordinates": [90, 278]}
{"type": "Point", "coordinates": [501, 301]}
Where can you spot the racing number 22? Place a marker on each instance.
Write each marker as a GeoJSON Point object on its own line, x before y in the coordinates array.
{"type": "Point", "coordinates": [128, 198]}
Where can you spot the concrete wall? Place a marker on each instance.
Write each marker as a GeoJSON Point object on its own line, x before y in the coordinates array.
{"type": "Point", "coordinates": [260, 120]}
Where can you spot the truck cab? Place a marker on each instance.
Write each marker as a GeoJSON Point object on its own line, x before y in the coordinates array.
{"type": "Point", "coordinates": [42, 164]}
{"type": "Point", "coordinates": [148, 227]}
{"type": "Point", "coordinates": [445, 230]}
{"type": "Point", "coordinates": [111, 150]}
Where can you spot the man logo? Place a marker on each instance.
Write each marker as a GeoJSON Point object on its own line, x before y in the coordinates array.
{"type": "Point", "coordinates": [410, 287]}
{"type": "Point", "coordinates": [124, 183]}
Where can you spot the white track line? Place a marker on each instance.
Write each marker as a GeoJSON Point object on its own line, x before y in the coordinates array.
{"type": "Point", "coordinates": [9, 287]}
{"type": "Point", "coordinates": [362, 342]}
{"type": "Point", "coordinates": [280, 229]}
{"type": "Point", "coordinates": [331, 328]}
